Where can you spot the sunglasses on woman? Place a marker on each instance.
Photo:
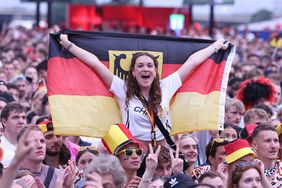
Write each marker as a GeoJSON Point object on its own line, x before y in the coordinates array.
{"type": "Point", "coordinates": [241, 165]}
{"type": "Point", "coordinates": [129, 152]}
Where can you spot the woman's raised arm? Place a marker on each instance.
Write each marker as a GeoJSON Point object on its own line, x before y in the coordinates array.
{"type": "Point", "coordinates": [199, 57]}
{"type": "Point", "coordinates": [89, 59]}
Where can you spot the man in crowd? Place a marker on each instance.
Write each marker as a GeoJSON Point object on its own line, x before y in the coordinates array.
{"type": "Point", "coordinates": [34, 162]}
{"type": "Point", "coordinates": [21, 84]}
{"type": "Point", "coordinates": [13, 118]}
{"type": "Point", "coordinates": [57, 154]}
{"type": "Point", "coordinates": [234, 111]}
{"type": "Point", "coordinates": [188, 147]}
{"type": "Point", "coordinates": [255, 116]}
{"type": "Point", "coordinates": [164, 168]}
{"type": "Point", "coordinates": [215, 153]}
{"type": "Point", "coordinates": [266, 144]}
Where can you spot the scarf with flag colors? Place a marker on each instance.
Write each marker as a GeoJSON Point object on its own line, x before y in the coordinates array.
{"type": "Point", "coordinates": [81, 104]}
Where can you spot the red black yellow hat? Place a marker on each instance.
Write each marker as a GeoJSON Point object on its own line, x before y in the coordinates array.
{"type": "Point", "coordinates": [237, 149]}
{"type": "Point", "coordinates": [247, 132]}
{"type": "Point", "coordinates": [46, 126]}
{"type": "Point", "coordinates": [117, 137]}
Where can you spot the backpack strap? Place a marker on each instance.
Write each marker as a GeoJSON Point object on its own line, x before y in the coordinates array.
{"type": "Point", "coordinates": [49, 176]}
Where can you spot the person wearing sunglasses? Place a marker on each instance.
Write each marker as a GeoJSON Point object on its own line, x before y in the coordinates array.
{"type": "Point", "coordinates": [130, 157]}
{"type": "Point", "coordinates": [249, 175]}
{"type": "Point", "coordinates": [120, 142]}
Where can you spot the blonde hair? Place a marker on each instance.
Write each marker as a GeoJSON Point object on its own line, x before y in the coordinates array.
{"type": "Point", "coordinates": [234, 102]}
{"type": "Point", "coordinates": [254, 112]}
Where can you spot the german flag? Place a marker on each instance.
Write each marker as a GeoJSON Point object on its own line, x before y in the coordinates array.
{"type": "Point", "coordinates": [41, 85]}
{"type": "Point", "coordinates": [81, 104]}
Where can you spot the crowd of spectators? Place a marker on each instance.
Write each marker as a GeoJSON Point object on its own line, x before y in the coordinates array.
{"type": "Point", "coordinates": [245, 154]}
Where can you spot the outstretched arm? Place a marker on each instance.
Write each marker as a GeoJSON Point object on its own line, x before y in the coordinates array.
{"type": "Point", "coordinates": [89, 59]}
{"type": "Point", "coordinates": [199, 57]}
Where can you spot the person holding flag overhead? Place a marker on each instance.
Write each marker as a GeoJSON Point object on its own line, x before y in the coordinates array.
{"type": "Point", "coordinates": [143, 98]}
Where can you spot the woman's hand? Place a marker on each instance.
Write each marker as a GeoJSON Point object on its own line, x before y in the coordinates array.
{"type": "Point", "coordinates": [64, 40]}
{"type": "Point", "coordinates": [220, 44]}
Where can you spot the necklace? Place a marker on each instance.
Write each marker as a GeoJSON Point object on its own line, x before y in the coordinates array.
{"type": "Point", "coordinates": [270, 171]}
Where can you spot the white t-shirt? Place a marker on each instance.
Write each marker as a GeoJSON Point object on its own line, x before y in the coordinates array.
{"type": "Point", "coordinates": [9, 151]}
{"type": "Point", "coordinates": [135, 118]}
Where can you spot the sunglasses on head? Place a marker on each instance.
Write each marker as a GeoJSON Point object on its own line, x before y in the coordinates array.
{"type": "Point", "coordinates": [218, 141]}
{"type": "Point", "coordinates": [129, 152]}
{"type": "Point", "coordinates": [241, 165]}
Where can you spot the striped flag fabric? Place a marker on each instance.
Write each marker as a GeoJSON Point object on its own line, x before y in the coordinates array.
{"type": "Point", "coordinates": [41, 85]}
{"type": "Point", "coordinates": [81, 104]}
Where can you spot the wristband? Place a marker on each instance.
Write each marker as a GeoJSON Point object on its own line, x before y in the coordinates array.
{"type": "Point", "coordinates": [69, 46]}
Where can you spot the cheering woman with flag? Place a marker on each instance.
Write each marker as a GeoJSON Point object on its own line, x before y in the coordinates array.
{"type": "Point", "coordinates": [143, 98]}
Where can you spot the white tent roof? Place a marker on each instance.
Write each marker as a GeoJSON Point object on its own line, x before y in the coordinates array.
{"type": "Point", "coordinates": [269, 25]}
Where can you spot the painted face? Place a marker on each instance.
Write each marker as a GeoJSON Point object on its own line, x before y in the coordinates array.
{"type": "Point", "coordinates": [267, 145]}
{"type": "Point", "coordinates": [250, 179]}
{"type": "Point", "coordinates": [38, 152]}
{"type": "Point", "coordinates": [53, 143]}
{"type": "Point", "coordinates": [216, 182]}
{"type": "Point", "coordinates": [233, 115]}
{"type": "Point", "coordinates": [144, 71]}
{"type": "Point", "coordinates": [229, 134]}
{"type": "Point", "coordinates": [130, 162]}
{"type": "Point", "coordinates": [84, 160]}
{"type": "Point", "coordinates": [188, 147]}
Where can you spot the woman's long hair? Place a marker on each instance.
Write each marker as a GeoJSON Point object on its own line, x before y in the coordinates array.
{"type": "Point", "coordinates": [133, 89]}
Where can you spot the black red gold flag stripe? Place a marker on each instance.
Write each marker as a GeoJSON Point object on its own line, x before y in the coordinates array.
{"type": "Point", "coordinates": [82, 105]}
